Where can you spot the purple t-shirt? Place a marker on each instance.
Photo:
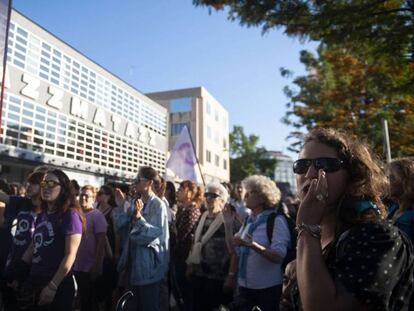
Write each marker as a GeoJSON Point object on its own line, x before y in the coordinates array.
{"type": "Point", "coordinates": [21, 209]}
{"type": "Point", "coordinates": [49, 240]}
{"type": "Point", "coordinates": [95, 223]}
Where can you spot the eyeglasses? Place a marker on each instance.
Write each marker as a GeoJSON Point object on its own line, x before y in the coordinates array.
{"type": "Point", "coordinates": [329, 165]}
{"type": "Point", "coordinates": [211, 195]}
{"type": "Point", "coordinates": [48, 184]}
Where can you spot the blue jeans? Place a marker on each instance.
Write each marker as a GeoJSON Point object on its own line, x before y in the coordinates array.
{"type": "Point", "coordinates": [146, 297]}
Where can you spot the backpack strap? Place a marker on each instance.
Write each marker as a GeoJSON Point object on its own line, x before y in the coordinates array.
{"type": "Point", "coordinates": [270, 223]}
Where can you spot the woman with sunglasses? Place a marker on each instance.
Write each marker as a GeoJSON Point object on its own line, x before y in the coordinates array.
{"type": "Point", "coordinates": [89, 260]}
{"type": "Point", "coordinates": [24, 211]}
{"type": "Point", "coordinates": [56, 239]}
{"type": "Point", "coordinates": [347, 256]}
{"type": "Point", "coordinates": [145, 255]}
{"type": "Point", "coordinates": [209, 261]}
{"type": "Point", "coordinates": [106, 283]}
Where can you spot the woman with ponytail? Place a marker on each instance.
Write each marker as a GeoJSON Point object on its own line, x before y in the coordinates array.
{"type": "Point", "coordinates": [145, 255]}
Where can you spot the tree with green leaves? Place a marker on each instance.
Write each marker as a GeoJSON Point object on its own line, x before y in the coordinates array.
{"type": "Point", "coordinates": [346, 91]}
{"type": "Point", "coordinates": [363, 70]}
{"type": "Point", "coordinates": [386, 25]}
{"type": "Point", "coordinates": [246, 158]}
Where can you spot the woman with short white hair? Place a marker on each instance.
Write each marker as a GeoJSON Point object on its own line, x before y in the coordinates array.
{"type": "Point", "coordinates": [209, 259]}
{"type": "Point", "coordinates": [260, 253]}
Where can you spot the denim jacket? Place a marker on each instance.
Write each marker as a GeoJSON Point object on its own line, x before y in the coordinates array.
{"type": "Point", "coordinates": [145, 254]}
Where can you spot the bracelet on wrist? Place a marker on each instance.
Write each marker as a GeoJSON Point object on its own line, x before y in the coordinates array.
{"type": "Point", "coordinates": [313, 230]}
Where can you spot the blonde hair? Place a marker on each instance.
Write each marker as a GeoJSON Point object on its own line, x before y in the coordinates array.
{"type": "Point", "coordinates": [89, 188]}
{"type": "Point", "coordinates": [265, 188]}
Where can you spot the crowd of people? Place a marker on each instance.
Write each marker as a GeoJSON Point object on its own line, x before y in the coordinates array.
{"type": "Point", "coordinates": [344, 242]}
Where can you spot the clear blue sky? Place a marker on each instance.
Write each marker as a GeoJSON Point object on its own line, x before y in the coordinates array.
{"type": "Point", "coordinates": [171, 44]}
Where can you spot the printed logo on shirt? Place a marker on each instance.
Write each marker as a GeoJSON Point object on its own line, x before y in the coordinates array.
{"type": "Point", "coordinates": [24, 228]}
{"type": "Point", "coordinates": [44, 236]}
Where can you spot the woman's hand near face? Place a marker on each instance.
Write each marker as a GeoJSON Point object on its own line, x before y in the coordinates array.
{"type": "Point", "coordinates": [139, 205]}
{"type": "Point", "coordinates": [313, 205]}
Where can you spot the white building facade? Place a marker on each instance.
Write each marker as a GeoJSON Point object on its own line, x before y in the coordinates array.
{"type": "Point", "coordinates": [63, 109]}
{"type": "Point", "coordinates": [208, 122]}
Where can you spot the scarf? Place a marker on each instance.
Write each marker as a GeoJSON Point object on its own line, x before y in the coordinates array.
{"type": "Point", "coordinates": [195, 254]}
{"type": "Point", "coordinates": [244, 250]}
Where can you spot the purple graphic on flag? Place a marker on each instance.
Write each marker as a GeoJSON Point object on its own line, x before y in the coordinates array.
{"type": "Point", "coordinates": [182, 161]}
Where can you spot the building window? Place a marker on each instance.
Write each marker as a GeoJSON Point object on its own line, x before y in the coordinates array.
{"type": "Point", "coordinates": [224, 143]}
{"type": "Point", "coordinates": [176, 128]}
{"type": "Point", "coordinates": [225, 164]}
{"type": "Point", "coordinates": [208, 108]}
{"type": "Point", "coordinates": [209, 135]}
{"type": "Point", "coordinates": [216, 115]}
{"type": "Point", "coordinates": [217, 160]}
{"type": "Point", "coordinates": [217, 138]}
{"type": "Point", "coordinates": [180, 104]}
{"type": "Point", "coordinates": [208, 156]}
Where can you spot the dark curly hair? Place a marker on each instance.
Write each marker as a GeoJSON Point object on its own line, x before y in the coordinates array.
{"type": "Point", "coordinates": [367, 180]}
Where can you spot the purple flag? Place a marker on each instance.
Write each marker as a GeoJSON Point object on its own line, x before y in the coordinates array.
{"type": "Point", "coordinates": [183, 161]}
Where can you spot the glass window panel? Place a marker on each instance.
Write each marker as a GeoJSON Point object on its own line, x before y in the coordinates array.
{"type": "Point", "coordinates": [28, 105]}
{"type": "Point", "coordinates": [21, 40]}
{"type": "Point", "coordinates": [13, 117]}
{"type": "Point", "coordinates": [38, 141]}
{"type": "Point", "coordinates": [18, 63]}
{"type": "Point", "coordinates": [46, 46]}
{"type": "Point", "coordinates": [180, 104]}
{"type": "Point", "coordinates": [40, 117]}
{"type": "Point", "coordinates": [45, 54]}
{"type": "Point", "coordinates": [20, 48]}
{"type": "Point", "coordinates": [27, 121]}
{"type": "Point", "coordinates": [14, 108]}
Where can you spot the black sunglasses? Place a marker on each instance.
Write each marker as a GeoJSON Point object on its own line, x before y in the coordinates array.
{"type": "Point", "coordinates": [211, 195]}
{"type": "Point", "coordinates": [329, 165]}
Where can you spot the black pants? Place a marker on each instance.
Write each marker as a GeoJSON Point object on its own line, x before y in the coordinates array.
{"type": "Point", "coordinates": [64, 295]}
{"type": "Point", "coordinates": [86, 291]}
{"type": "Point", "coordinates": [182, 286]}
{"type": "Point", "coordinates": [208, 294]}
{"type": "Point", "coordinates": [266, 299]}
